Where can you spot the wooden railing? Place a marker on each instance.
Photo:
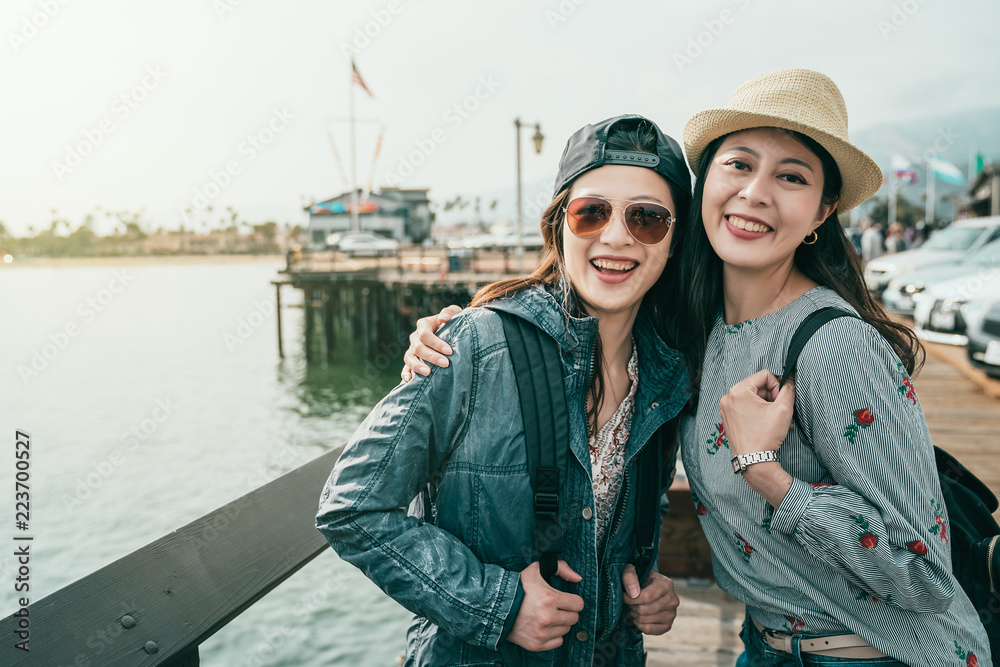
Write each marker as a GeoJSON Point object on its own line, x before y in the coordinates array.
{"type": "Point", "coordinates": [156, 605]}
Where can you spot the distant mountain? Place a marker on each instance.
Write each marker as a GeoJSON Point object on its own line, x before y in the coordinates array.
{"type": "Point", "coordinates": [952, 137]}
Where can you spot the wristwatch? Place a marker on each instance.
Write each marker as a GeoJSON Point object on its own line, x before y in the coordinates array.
{"type": "Point", "coordinates": [742, 461]}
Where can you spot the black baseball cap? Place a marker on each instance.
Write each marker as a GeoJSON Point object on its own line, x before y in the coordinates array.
{"type": "Point", "coordinates": [587, 149]}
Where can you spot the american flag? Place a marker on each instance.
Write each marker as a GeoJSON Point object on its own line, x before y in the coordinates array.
{"type": "Point", "coordinates": [358, 80]}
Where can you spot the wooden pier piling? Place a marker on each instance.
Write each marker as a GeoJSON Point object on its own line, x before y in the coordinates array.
{"type": "Point", "coordinates": [376, 306]}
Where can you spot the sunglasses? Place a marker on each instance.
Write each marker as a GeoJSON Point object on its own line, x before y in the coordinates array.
{"type": "Point", "coordinates": [648, 223]}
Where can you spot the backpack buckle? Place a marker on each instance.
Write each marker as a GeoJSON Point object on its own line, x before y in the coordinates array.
{"type": "Point", "coordinates": [546, 503]}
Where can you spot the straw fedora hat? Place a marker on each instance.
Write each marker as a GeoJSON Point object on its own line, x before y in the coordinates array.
{"type": "Point", "coordinates": [792, 99]}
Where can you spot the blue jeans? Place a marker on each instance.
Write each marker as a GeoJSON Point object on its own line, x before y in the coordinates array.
{"type": "Point", "coordinates": [758, 654]}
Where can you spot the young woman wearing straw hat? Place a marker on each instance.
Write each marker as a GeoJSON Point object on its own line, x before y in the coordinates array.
{"type": "Point", "coordinates": [464, 560]}
{"type": "Point", "coordinates": [842, 540]}
{"type": "Point", "coordinates": [845, 536]}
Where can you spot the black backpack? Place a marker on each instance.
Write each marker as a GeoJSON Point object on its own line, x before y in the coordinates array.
{"type": "Point", "coordinates": [538, 371]}
{"type": "Point", "coordinates": [974, 532]}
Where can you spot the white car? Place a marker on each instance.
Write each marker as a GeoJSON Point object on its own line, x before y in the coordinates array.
{"type": "Point", "coordinates": [953, 241]}
{"type": "Point", "coordinates": [363, 244]}
{"type": "Point", "coordinates": [942, 314]}
{"type": "Point", "coordinates": [905, 290]}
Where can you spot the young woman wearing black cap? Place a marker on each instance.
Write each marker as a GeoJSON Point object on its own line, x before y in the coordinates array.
{"type": "Point", "coordinates": [465, 561]}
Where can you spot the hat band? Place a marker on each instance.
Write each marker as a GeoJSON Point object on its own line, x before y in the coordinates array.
{"type": "Point", "coordinates": [631, 157]}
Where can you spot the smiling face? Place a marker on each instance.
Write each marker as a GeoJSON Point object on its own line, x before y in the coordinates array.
{"type": "Point", "coordinates": [611, 271]}
{"type": "Point", "coordinates": [762, 196]}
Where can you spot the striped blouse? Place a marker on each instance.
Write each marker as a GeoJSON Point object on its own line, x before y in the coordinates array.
{"type": "Point", "coordinates": [860, 543]}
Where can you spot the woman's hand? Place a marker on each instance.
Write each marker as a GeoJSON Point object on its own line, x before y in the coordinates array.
{"type": "Point", "coordinates": [756, 417]}
{"type": "Point", "coordinates": [425, 346]}
{"type": "Point", "coordinates": [653, 608]}
{"type": "Point", "coordinates": [546, 614]}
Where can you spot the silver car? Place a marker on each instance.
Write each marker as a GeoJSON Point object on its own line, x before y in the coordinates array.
{"type": "Point", "coordinates": [906, 290]}
{"type": "Point", "coordinates": [953, 241]}
{"type": "Point", "coordinates": [984, 338]}
{"type": "Point", "coordinates": [942, 315]}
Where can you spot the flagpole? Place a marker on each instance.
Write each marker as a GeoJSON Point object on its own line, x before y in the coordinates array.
{"type": "Point", "coordinates": [929, 204]}
{"type": "Point", "coordinates": [893, 189]}
{"type": "Point", "coordinates": [355, 226]}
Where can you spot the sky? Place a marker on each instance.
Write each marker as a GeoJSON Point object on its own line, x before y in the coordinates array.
{"type": "Point", "coordinates": [184, 104]}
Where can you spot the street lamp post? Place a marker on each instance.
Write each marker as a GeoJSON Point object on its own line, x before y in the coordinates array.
{"type": "Point", "coordinates": [536, 139]}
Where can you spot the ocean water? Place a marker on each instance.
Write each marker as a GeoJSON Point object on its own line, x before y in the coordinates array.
{"type": "Point", "coordinates": [154, 394]}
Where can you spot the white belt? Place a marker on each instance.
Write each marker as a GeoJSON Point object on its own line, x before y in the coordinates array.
{"type": "Point", "coordinates": [835, 646]}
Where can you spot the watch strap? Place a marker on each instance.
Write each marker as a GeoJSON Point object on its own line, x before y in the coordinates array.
{"type": "Point", "coordinates": [742, 461]}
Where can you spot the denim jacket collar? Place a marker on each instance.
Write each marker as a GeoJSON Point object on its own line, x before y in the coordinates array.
{"type": "Point", "coordinates": [663, 375]}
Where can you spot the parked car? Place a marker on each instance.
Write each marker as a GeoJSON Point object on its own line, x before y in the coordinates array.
{"type": "Point", "coordinates": [904, 291]}
{"type": "Point", "coordinates": [362, 244]}
{"type": "Point", "coordinates": [953, 241]}
{"type": "Point", "coordinates": [942, 315]}
{"type": "Point", "coordinates": [984, 338]}
{"type": "Point", "coordinates": [531, 241]}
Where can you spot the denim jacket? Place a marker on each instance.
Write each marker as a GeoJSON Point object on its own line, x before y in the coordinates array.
{"type": "Point", "coordinates": [432, 498]}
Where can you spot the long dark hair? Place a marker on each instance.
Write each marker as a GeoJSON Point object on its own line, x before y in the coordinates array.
{"type": "Point", "coordinates": [696, 271]}
{"type": "Point", "coordinates": [637, 136]}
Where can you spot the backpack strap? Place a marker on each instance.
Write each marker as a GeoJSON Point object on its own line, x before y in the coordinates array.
{"type": "Point", "coordinates": [647, 503]}
{"type": "Point", "coordinates": [538, 372]}
{"type": "Point", "coordinates": [809, 326]}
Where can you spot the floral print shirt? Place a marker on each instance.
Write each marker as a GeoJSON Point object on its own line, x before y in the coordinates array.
{"type": "Point", "coordinates": [607, 450]}
{"type": "Point", "coordinates": [860, 544]}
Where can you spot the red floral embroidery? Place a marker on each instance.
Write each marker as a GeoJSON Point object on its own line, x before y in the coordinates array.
{"type": "Point", "coordinates": [820, 485]}
{"type": "Point", "coordinates": [970, 658]}
{"type": "Point", "coordinates": [867, 539]}
{"type": "Point", "coordinates": [907, 390]}
{"type": "Point", "coordinates": [862, 418]}
{"type": "Point", "coordinates": [917, 547]}
{"type": "Point", "coordinates": [699, 507]}
{"type": "Point", "coordinates": [717, 440]}
{"type": "Point", "coordinates": [864, 595]}
{"type": "Point", "coordinates": [794, 625]}
{"type": "Point", "coordinates": [747, 550]}
{"type": "Point", "coordinates": [766, 523]}
{"type": "Point", "coordinates": [940, 528]}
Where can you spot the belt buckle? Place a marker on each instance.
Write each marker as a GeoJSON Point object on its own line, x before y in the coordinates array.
{"type": "Point", "coordinates": [782, 640]}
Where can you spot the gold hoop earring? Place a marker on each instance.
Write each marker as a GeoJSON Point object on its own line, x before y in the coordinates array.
{"type": "Point", "coordinates": [815, 237]}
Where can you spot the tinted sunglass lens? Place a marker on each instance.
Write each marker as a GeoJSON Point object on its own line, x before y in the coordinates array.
{"type": "Point", "coordinates": [588, 215]}
{"type": "Point", "coordinates": [649, 223]}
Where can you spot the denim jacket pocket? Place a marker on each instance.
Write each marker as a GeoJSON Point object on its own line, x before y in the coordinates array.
{"type": "Point", "coordinates": [491, 512]}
